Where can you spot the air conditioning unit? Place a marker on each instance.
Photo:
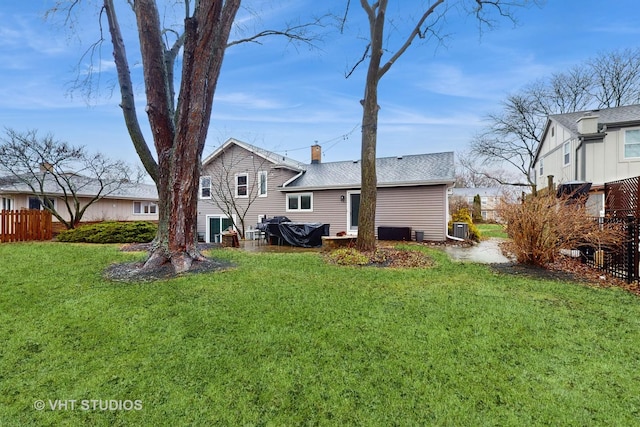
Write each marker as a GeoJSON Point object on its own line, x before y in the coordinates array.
{"type": "Point", "coordinates": [461, 230]}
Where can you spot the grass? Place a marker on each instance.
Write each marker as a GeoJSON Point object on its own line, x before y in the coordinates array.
{"type": "Point", "coordinates": [285, 339]}
{"type": "Point", "coordinates": [492, 230]}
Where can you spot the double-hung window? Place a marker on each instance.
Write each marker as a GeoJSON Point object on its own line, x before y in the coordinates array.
{"type": "Point", "coordinates": [35, 203]}
{"type": "Point", "coordinates": [566, 153]}
{"type": "Point", "coordinates": [144, 208]}
{"type": "Point", "coordinates": [242, 185]}
{"type": "Point", "coordinates": [262, 184]}
{"type": "Point", "coordinates": [7, 204]}
{"type": "Point", "coordinates": [300, 202]}
{"type": "Point", "coordinates": [205, 187]}
{"type": "Point", "coordinates": [541, 164]}
{"type": "Point", "coordinates": [632, 143]}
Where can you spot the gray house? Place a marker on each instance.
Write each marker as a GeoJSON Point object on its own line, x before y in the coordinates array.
{"type": "Point", "coordinates": [240, 180]}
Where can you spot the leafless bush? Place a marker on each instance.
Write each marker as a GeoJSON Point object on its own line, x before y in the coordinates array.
{"type": "Point", "coordinates": [542, 226]}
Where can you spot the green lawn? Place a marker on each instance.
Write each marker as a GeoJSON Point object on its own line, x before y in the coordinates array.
{"type": "Point", "coordinates": [285, 339]}
{"type": "Point", "coordinates": [492, 230]}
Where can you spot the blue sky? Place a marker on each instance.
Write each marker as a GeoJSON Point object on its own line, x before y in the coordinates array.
{"type": "Point", "coordinates": [285, 98]}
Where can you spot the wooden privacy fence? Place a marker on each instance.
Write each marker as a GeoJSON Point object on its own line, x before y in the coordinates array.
{"type": "Point", "coordinates": [25, 225]}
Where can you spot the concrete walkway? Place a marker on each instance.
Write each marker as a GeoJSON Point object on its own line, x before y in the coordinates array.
{"type": "Point", "coordinates": [486, 252]}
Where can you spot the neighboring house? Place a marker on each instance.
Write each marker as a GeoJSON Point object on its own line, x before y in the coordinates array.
{"type": "Point", "coordinates": [131, 202]}
{"type": "Point", "coordinates": [490, 199]}
{"type": "Point", "coordinates": [596, 146]}
{"type": "Point", "coordinates": [412, 190]}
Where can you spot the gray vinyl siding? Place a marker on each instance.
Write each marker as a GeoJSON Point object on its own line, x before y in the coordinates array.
{"type": "Point", "coordinates": [421, 208]}
{"type": "Point", "coordinates": [246, 162]}
{"type": "Point", "coordinates": [327, 209]}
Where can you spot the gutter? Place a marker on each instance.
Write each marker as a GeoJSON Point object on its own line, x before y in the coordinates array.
{"type": "Point", "coordinates": [357, 185]}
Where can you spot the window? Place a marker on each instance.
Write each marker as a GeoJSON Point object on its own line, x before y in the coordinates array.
{"type": "Point", "coordinates": [242, 186]}
{"type": "Point", "coordinates": [7, 204]}
{"type": "Point", "coordinates": [262, 184]}
{"type": "Point", "coordinates": [541, 172]}
{"type": "Point", "coordinates": [141, 208]}
{"type": "Point", "coordinates": [34, 203]}
{"type": "Point", "coordinates": [205, 187]}
{"type": "Point", "coordinates": [300, 202]}
{"type": "Point", "coordinates": [566, 153]}
{"type": "Point", "coordinates": [470, 200]}
{"type": "Point", "coordinates": [632, 143]}
{"type": "Point", "coordinates": [484, 201]}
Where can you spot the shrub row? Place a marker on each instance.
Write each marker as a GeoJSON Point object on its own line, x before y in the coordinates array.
{"type": "Point", "coordinates": [111, 232]}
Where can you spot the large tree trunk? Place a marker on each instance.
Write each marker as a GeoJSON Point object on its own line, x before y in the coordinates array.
{"type": "Point", "coordinates": [369, 182]}
{"type": "Point", "coordinates": [179, 133]}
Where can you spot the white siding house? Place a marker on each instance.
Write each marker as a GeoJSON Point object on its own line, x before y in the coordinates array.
{"type": "Point", "coordinates": [595, 146]}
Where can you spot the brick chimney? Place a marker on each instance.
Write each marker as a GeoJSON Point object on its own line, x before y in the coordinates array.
{"type": "Point", "coordinates": [316, 154]}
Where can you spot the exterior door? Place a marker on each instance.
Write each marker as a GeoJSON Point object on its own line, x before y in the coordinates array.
{"type": "Point", "coordinates": [218, 224]}
{"type": "Point", "coordinates": [353, 210]}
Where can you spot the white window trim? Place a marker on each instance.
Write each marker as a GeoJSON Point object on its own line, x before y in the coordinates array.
{"type": "Point", "coordinates": [624, 144]}
{"type": "Point", "coordinates": [299, 196]}
{"type": "Point", "coordinates": [202, 187]}
{"type": "Point", "coordinates": [266, 183]}
{"type": "Point", "coordinates": [8, 201]}
{"type": "Point", "coordinates": [541, 167]}
{"type": "Point", "coordinates": [564, 154]}
{"type": "Point", "coordinates": [352, 231]}
{"type": "Point", "coordinates": [144, 204]}
{"type": "Point", "coordinates": [246, 175]}
{"type": "Point", "coordinates": [207, 227]}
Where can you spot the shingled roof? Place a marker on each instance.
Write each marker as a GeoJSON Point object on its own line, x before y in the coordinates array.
{"type": "Point", "coordinates": [411, 170]}
{"type": "Point", "coordinates": [606, 116]}
{"type": "Point", "coordinates": [84, 187]}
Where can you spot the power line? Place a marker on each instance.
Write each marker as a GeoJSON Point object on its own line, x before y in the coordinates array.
{"type": "Point", "coordinates": [337, 140]}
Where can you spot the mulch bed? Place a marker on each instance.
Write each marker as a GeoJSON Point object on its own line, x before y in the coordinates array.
{"type": "Point", "coordinates": [133, 271]}
{"type": "Point", "coordinates": [568, 269]}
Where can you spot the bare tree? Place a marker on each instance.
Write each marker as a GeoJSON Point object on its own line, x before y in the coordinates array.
{"type": "Point", "coordinates": [512, 138]}
{"type": "Point", "coordinates": [179, 119]}
{"type": "Point", "coordinates": [514, 133]}
{"type": "Point", "coordinates": [424, 26]}
{"type": "Point", "coordinates": [471, 174]}
{"type": "Point", "coordinates": [564, 92]}
{"type": "Point", "coordinates": [47, 166]}
{"type": "Point", "coordinates": [224, 194]}
{"type": "Point", "coordinates": [616, 78]}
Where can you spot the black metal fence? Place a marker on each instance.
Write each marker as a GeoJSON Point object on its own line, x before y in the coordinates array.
{"type": "Point", "coordinates": [621, 261]}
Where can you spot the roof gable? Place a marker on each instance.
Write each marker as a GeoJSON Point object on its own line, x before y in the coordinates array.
{"type": "Point", "coordinates": [277, 160]}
